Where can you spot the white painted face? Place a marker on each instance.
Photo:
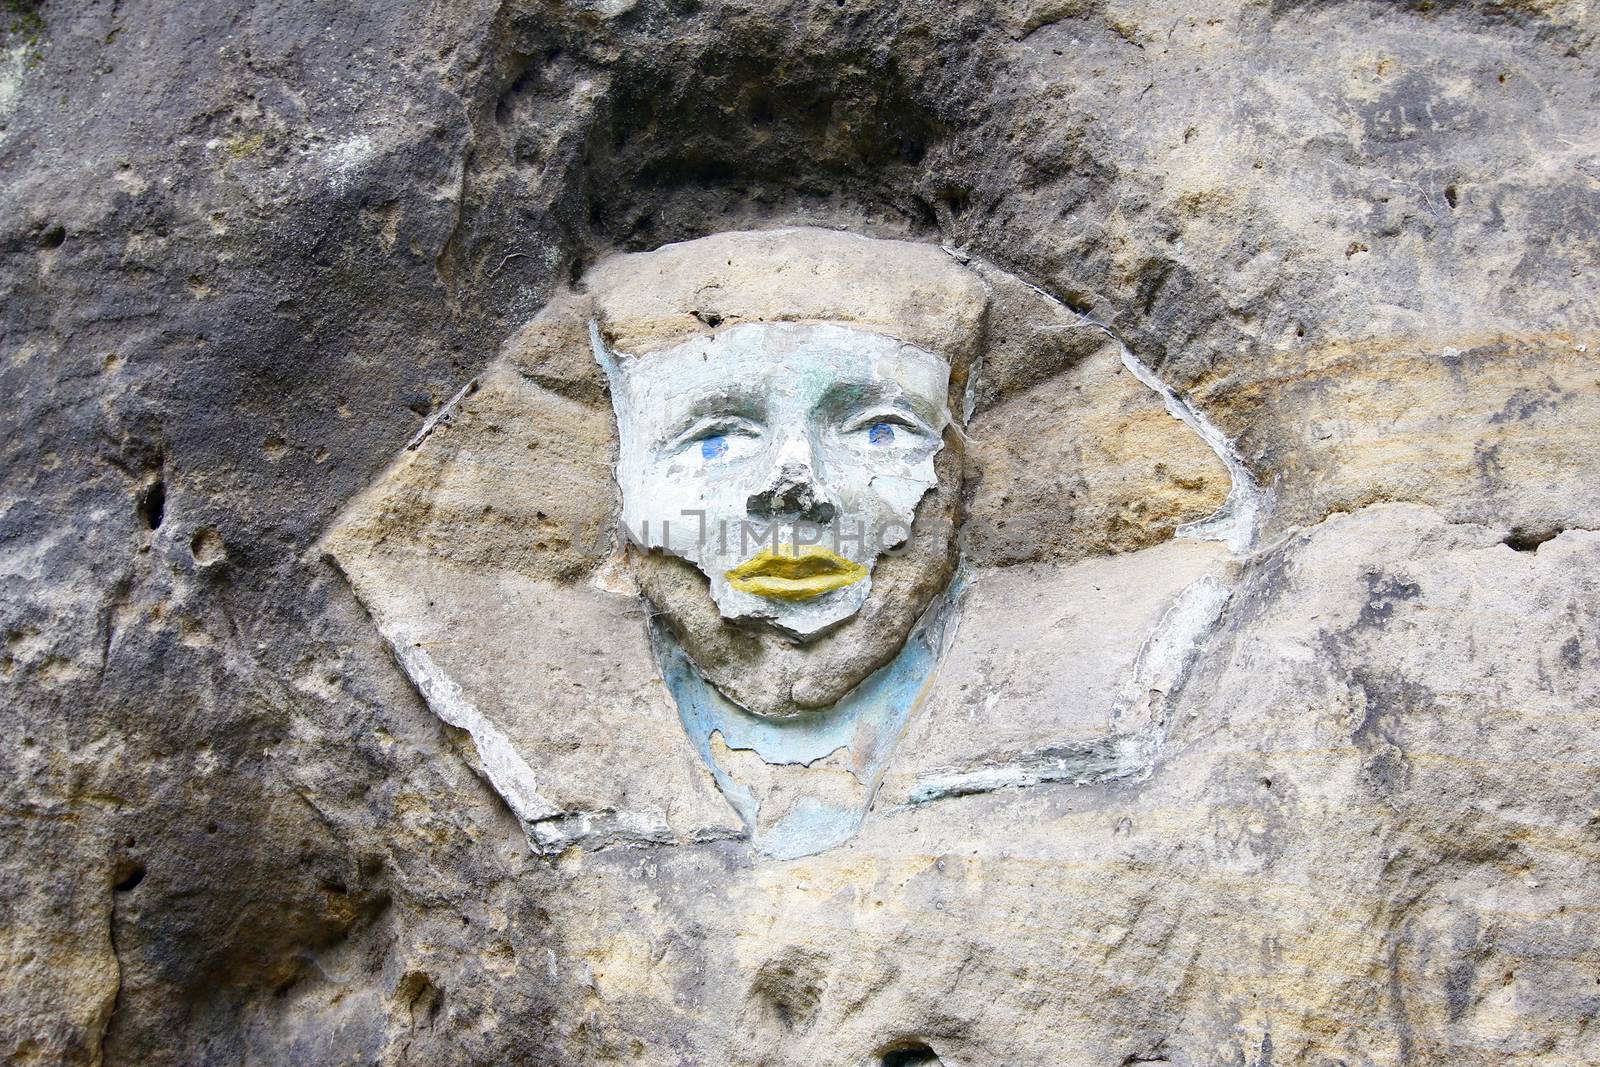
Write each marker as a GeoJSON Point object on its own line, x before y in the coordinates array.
{"type": "Point", "coordinates": [822, 436]}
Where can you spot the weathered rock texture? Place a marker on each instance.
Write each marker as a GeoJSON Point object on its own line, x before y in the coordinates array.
{"type": "Point", "coordinates": [247, 249]}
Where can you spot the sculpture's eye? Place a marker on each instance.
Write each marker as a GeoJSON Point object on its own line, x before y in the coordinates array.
{"type": "Point", "coordinates": [890, 430]}
{"type": "Point", "coordinates": [718, 440]}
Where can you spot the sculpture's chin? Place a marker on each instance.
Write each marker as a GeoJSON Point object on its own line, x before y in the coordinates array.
{"type": "Point", "coordinates": [769, 672]}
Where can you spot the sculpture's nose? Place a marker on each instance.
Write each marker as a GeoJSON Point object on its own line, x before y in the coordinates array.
{"type": "Point", "coordinates": [793, 491]}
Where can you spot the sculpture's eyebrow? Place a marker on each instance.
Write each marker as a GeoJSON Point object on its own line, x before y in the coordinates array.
{"type": "Point", "coordinates": [845, 397]}
{"type": "Point", "coordinates": [738, 401]}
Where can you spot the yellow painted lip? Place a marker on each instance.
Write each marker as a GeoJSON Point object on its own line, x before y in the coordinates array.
{"type": "Point", "coordinates": [795, 572]}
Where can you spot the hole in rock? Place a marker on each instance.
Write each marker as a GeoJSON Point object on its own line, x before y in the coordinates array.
{"type": "Point", "coordinates": [54, 237]}
{"type": "Point", "coordinates": [206, 547]}
{"type": "Point", "coordinates": [151, 504]}
{"type": "Point", "coordinates": [129, 874]}
{"type": "Point", "coordinates": [1451, 195]}
{"type": "Point", "coordinates": [913, 1055]}
{"type": "Point", "coordinates": [1522, 540]}
{"type": "Point", "coordinates": [1077, 302]}
{"type": "Point", "coordinates": [710, 318]}
{"type": "Point", "coordinates": [421, 995]}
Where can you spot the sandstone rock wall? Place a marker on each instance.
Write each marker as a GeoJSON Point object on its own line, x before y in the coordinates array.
{"type": "Point", "coordinates": [247, 250]}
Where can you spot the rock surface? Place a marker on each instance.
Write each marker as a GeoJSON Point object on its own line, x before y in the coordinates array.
{"type": "Point", "coordinates": [249, 251]}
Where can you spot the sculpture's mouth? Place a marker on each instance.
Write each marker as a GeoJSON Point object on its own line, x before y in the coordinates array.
{"type": "Point", "coordinates": [795, 572]}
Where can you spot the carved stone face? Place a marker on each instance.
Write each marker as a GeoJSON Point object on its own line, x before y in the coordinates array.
{"type": "Point", "coordinates": [783, 461]}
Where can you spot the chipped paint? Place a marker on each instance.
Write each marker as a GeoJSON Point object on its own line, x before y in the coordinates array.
{"type": "Point", "coordinates": [1238, 522]}
{"type": "Point", "coordinates": [1103, 759]}
{"type": "Point", "coordinates": [1240, 519]}
{"type": "Point", "coordinates": [1138, 721]}
{"type": "Point", "coordinates": [504, 769]}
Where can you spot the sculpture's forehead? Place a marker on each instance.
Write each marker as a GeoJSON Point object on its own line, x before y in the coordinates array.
{"type": "Point", "coordinates": [910, 290]}
{"type": "Point", "coordinates": [799, 362]}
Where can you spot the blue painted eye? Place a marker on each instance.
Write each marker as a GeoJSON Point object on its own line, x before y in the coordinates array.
{"type": "Point", "coordinates": [714, 447]}
{"type": "Point", "coordinates": [881, 433]}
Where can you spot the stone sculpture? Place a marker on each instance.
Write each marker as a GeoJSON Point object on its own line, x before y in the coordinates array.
{"type": "Point", "coordinates": [770, 460]}
{"type": "Point", "coordinates": [794, 426]}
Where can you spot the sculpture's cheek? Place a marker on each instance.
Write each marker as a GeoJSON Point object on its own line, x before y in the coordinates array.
{"type": "Point", "coordinates": [887, 494]}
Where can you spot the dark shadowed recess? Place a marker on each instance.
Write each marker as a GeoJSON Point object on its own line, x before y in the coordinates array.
{"type": "Point", "coordinates": [876, 117]}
